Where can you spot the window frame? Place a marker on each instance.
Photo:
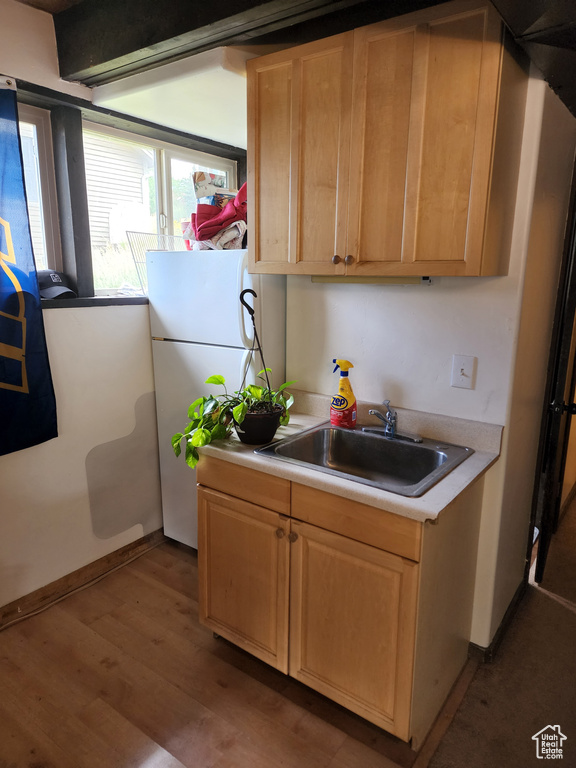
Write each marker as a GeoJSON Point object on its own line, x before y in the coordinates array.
{"type": "Point", "coordinates": [40, 118]}
{"type": "Point", "coordinates": [67, 113]}
{"type": "Point", "coordinates": [165, 152]}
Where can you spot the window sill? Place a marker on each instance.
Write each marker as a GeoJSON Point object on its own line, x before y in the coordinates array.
{"type": "Point", "coordinates": [94, 301]}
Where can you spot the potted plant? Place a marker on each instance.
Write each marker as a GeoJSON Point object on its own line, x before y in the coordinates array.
{"type": "Point", "coordinates": [256, 411]}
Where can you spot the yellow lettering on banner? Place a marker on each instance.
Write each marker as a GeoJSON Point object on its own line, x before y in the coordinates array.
{"type": "Point", "coordinates": [8, 350]}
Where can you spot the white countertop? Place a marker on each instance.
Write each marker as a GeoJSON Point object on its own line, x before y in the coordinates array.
{"type": "Point", "coordinates": [483, 438]}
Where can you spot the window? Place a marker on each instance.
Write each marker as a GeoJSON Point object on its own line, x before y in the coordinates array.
{"type": "Point", "coordinates": [122, 196]}
{"type": "Point", "coordinates": [39, 179]}
{"type": "Point", "coordinates": [135, 185]}
{"type": "Point", "coordinates": [181, 200]}
{"type": "Point", "coordinates": [139, 178]}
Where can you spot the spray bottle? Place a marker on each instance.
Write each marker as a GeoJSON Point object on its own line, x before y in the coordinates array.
{"type": "Point", "coordinates": [343, 405]}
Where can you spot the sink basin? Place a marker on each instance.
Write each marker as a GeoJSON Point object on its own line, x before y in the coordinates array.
{"type": "Point", "coordinates": [406, 468]}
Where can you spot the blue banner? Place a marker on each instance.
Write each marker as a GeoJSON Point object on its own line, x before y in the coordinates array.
{"type": "Point", "coordinates": [27, 402]}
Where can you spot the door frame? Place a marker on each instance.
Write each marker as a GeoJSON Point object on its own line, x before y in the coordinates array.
{"type": "Point", "coordinates": [555, 421]}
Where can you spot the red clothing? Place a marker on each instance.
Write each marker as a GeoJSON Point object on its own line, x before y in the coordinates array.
{"type": "Point", "coordinates": [210, 219]}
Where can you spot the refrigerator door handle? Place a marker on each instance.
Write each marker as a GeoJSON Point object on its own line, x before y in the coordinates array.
{"type": "Point", "coordinates": [245, 363]}
{"type": "Point", "coordinates": [246, 335]}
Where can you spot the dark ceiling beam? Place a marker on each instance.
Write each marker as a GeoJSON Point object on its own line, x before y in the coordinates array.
{"type": "Point", "coordinates": [558, 65]}
{"type": "Point", "coordinates": [367, 12]}
{"type": "Point", "coordinates": [100, 41]}
{"type": "Point", "coordinates": [525, 17]}
{"type": "Point", "coordinates": [103, 40]}
{"type": "Point", "coordinates": [546, 29]}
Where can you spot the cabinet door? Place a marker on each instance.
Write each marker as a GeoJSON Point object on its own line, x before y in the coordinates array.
{"type": "Point", "coordinates": [352, 624]}
{"type": "Point", "coordinates": [243, 565]}
{"type": "Point", "coordinates": [424, 118]}
{"type": "Point", "coordinates": [299, 104]}
{"type": "Point", "coordinates": [384, 68]}
{"type": "Point", "coordinates": [447, 207]}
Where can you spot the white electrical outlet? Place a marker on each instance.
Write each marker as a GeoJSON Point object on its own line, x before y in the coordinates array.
{"type": "Point", "coordinates": [463, 372]}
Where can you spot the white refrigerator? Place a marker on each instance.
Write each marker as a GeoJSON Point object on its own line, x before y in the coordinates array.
{"type": "Point", "coordinates": [199, 328]}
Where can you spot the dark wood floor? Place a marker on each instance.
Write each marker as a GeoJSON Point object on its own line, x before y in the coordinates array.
{"type": "Point", "coordinates": [122, 675]}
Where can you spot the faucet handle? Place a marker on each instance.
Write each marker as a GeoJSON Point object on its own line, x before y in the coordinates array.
{"type": "Point", "coordinates": [389, 411]}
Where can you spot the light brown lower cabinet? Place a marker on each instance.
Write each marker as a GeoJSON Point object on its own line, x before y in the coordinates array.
{"type": "Point", "coordinates": [352, 620]}
{"type": "Point", "coordinates": [243, 563]}
{"type": "Point", "coordinates": [331, 591]}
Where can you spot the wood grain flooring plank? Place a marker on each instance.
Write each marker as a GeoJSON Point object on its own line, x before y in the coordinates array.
{"type": "Point", "coordinates": [162, 711]}
{"type": "Point", "coordinates": [56, 730]}
{"type": "Point", "coordinates": [179, 551]}
{"type": "Point", "coordinates": [21, 746]}
{"type": "Point", "coordinates": [246, 753]}
{"type": "Point", "coordinates": [161, 603]}
{"type": "Point", "coordinates": [89, 604]}
{"type": "Point", "coordinates": [254, 710]}
{"type": "Point", "coordinates": [193, 668]}
{"type": "Point", "coordinates": [354, 726]}
{"type": "Point", "coordinates": [36, 675]}
{"type": "Point", "coordinates": [177, 573]}
{"type": "Point", "coordinates": [134, 748]}
{"type": "Point", "coordinates": [353, 754]}
{"type": "Point", "coordinates": [169, 554]}
{"type": "Point", "coordinates": [168, 581]}
{"type": "Point", "coordinates": [174, 659]}
{"type": "Point", "coordinates": [125, 667]}
{"type": "Point", "coordinates": [314, 730]}
{"type": "Point", "coordinates": [170, 610]}
{"type": "Point", "coordinates": [250, 665]}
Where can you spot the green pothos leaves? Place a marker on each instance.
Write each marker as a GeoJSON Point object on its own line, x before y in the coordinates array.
{"type": "Point", "coordinates": [210, 417]}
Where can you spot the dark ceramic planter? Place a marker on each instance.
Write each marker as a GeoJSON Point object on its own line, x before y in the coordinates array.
{"type": "Point", "coordinates": [259, 428]}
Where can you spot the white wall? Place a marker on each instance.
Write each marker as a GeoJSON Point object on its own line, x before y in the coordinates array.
{"type": "Point", "coordinates": [544, 187]}
{"type": "Point", "coordinates": [555, 161]}
{"type": "Point", "coordinates": [28, 48]}
{"type": "Point", "coordinates": [401, 340]}
{"type": "Point", "coordinates": [94, 488]}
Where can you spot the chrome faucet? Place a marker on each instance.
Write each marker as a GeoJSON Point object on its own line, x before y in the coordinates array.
{"type": "Point", "coordinates": [389, 419]}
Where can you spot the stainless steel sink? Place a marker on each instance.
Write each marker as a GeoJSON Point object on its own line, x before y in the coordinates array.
{"type": "Point", "coordinates": [406, 468]}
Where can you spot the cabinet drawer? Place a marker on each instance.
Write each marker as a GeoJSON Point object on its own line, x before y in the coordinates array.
{"type": "Point", "coordinates": [248, 484]}
{"type": "Point", "coordinates": [393, 533]}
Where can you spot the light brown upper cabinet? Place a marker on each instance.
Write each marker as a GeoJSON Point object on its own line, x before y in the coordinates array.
{"type": "Point", "coordinates": [300, 103]}
{"type": "Point", "coordinates": [390, 150]}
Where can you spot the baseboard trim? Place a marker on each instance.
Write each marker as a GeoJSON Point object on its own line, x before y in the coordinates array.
{"type": "Point", "coordinates": [56, 590]}
{"type": "Point", "coordinates": [488, 654]}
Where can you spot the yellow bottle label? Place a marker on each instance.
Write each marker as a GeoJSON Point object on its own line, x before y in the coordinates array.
{"type": "Point", "coordinates": [343, 406]}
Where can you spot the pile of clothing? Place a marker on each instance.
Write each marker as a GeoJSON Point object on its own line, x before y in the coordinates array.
{"type": "Point", "coordinates": [220, 219]}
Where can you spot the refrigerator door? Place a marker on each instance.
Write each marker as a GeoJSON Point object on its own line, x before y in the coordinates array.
{"type": "Point", "coordinates": [194, 296]}
{"type": "Point", "coordinates": [199, 328]}
{"type": "Point", "coordinates": [180, 372]}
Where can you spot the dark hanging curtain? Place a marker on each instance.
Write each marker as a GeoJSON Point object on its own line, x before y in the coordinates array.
{"type": "Point", "coordinates": [27, 402]}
